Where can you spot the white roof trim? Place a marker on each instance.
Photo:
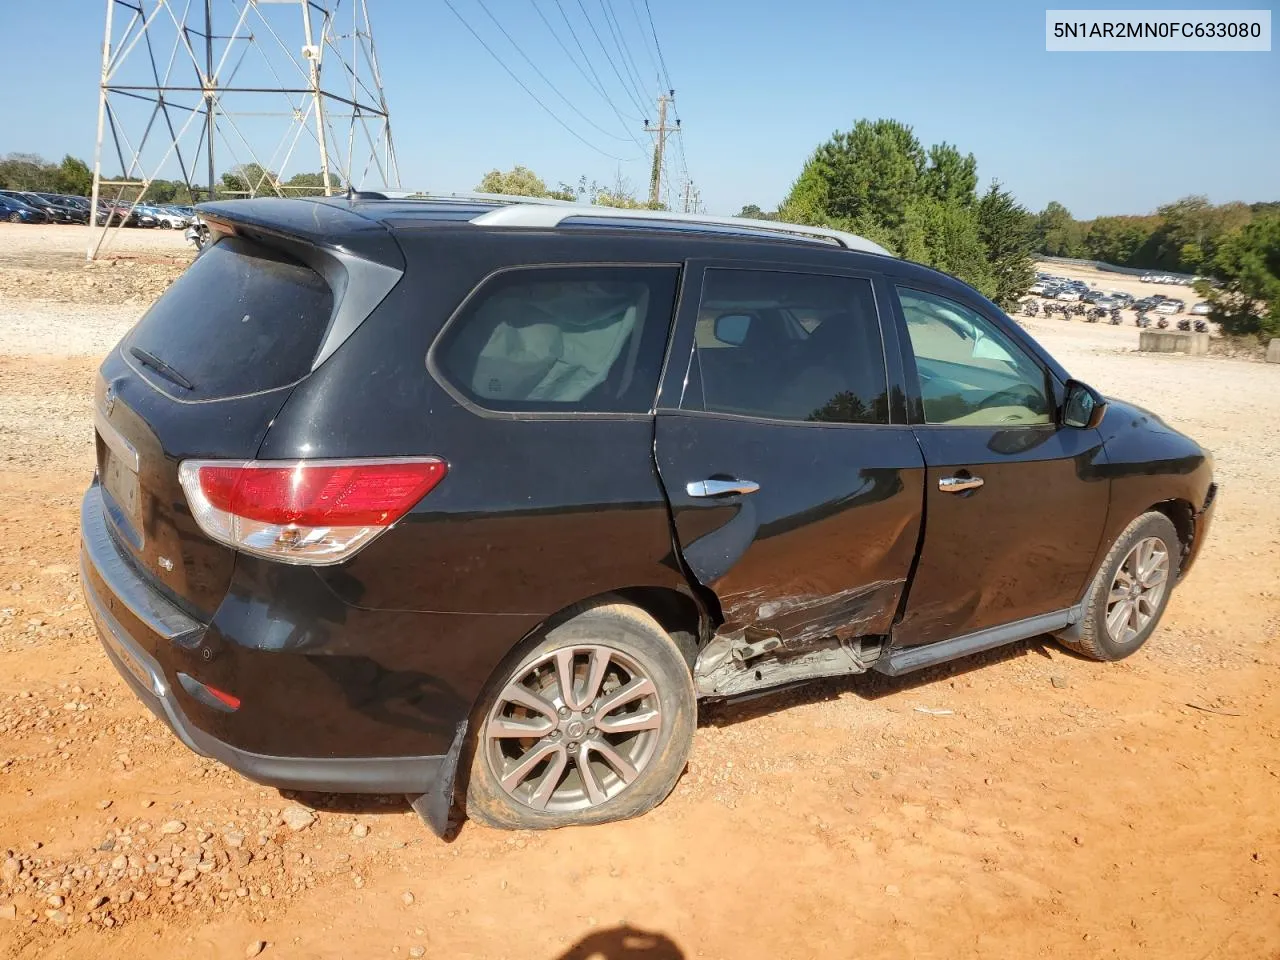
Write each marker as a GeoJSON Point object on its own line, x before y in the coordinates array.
{"type": "Point", "coordinates": [547, 216]}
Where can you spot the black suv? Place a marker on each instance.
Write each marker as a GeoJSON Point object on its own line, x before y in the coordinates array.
{"type": "Point", "coordinates": [464, 499]}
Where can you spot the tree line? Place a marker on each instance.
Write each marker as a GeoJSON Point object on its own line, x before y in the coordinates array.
{"type": "Point", "coordinates": [27, 171]}
{"type": "Point", "coordinates": [1184, 236]}
{"type": "Point", "coordinates": [878, 180]}
{"type": "Point", "coordinates": [520, 181]}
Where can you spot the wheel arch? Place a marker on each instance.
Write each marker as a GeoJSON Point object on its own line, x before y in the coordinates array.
{"type": "Point", "coordinates": [1183, 517]}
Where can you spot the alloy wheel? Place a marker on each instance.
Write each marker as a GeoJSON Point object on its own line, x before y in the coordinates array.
{"type": "Point", "coordinates": [1137, 589]}
{"type": "Point", "coordinates": [573, 729]}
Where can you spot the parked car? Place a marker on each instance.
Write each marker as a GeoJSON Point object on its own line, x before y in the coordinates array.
{"type": "Point", "coordinates": [15, 211]}
{"type": "Point", "coordinates": [608, 466]}
{"type": "Point", "coordinates": [1170, 306]}
{"type": "Point", "coordinates": [34, 202]}
{"type": "Point", "coordinates": [1038, 287]}
{"type": "Point", "coordinates": [78, 212]}
{"type": "Point", "coordinates": [168, 218]}
{"type": "Point", "coordinates": [1201, 309]}
{"type": "Point", "coordinates": [55, 212]}
{"type": "Point", "coordinates": [1067, 293]}
{"type": "Point", "coordinates": [1146, 303]}
{"type": "Point", "coordinates": [1107, 302]}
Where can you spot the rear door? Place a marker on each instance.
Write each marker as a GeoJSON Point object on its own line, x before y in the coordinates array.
{"type": "Point", "coordinates": [794, 483]}
{"type": "Point", "coordinates": [1015, 503]}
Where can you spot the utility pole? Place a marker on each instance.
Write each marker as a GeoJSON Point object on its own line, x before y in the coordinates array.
{"type": "Point", "coordinates": [659, 144]}
{"type": "Point", "coordinates": [688, 196]}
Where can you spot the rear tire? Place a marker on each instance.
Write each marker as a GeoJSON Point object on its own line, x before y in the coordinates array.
{"type": "Point", "coordinates": [1120, 612]}
{"type": "Point", "coordinates": [632, 759]}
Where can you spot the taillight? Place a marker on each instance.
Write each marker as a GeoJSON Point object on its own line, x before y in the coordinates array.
{"type": "Point", "coordinates": [305, 511]}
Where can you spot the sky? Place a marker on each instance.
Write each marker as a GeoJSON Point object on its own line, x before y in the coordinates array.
{"type": "Point", "coordinates": [759, 84]}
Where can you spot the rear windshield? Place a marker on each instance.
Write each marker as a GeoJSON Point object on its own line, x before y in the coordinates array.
{"type": "Point", "coordinates": [243, 318]}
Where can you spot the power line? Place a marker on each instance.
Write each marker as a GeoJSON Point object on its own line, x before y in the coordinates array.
{"type": "Point", "coordinates": [666, 77]}
{"type": "Point", "coordinates": [648, 52]}
{"type": "Point", "coordinates": [628, 63]}
{"type": "Point", "coordinates": [545, 80]}
{"type": "Point", "coordinates": [612, 65]}
{"type": "Point", "coordinates": [594, 84]}
{"type": "Point", "coordinates": [599, 83]}
{"type": "Point", "coordinates": [536, 99]}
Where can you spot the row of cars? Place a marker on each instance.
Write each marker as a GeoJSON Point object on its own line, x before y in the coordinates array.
{"type": "Point", "coordinates": [1064, 289]}
{"type": "Point", "coordinates": [1167, 278]}
{"type": "Point", "coordinates": [27, 206]}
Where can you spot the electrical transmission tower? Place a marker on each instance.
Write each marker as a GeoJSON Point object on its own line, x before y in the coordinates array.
{"type": "Point", "coordinates": [266, 90]}
{"type": "Point", "coordinates": [660, 144]}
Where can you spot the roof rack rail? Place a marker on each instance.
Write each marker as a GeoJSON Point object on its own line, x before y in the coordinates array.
{"type": "Point", "coordinates": [538, 213]}
{"type": "Point", "coordinates": [495, 198]}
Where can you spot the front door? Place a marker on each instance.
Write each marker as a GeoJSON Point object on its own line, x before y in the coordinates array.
{"type": "Point", "coordinates": [796, 497]}
{"type": "Point", "coordinates": [1014, 504]}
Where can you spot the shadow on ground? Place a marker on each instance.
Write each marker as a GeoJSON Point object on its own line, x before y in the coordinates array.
{"type": "Point", "coordinates": [623, 943]}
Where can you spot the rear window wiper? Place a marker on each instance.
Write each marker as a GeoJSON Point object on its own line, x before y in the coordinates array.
{"type": "Point", "coordinates": [162, 368]}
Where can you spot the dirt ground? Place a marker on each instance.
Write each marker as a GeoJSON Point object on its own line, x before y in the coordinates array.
{"type": "Point", "coordinates": [1024, 803]}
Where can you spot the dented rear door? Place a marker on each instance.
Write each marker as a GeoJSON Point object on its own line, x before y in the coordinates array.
{"type": "Point", "coordinates": [796, 489]}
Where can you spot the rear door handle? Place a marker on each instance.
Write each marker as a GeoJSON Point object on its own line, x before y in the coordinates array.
{"type": "Point", "coordinates": [719, 488]}
{"type": "Point", "coordinates": [959, 484]}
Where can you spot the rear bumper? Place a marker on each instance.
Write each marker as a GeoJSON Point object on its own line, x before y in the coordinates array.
{"type": "Point", "coordinates": [113, 586]}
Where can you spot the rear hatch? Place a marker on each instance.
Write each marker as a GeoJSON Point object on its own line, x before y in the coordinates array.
{"type": "Point", "coordinates": [202, 375]}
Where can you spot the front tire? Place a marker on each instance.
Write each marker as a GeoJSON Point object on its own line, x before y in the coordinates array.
{"type": "Point", "coordinates": [1130, 591]}
{"type": "Point", "coordinates": [590, 722]}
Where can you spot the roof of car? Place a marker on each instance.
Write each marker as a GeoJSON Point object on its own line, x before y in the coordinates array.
{"type": "Point", "coordinates": [491, 210]}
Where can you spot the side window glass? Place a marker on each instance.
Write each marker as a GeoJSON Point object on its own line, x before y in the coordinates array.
{"type": "Point", "coordinates": [571, 339]}
{"type": "Point", "coordinates": [971, 372]}
{"type": "Point", "coordinates": [788, 346]}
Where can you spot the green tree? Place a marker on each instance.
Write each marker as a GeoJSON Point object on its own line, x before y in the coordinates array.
{"type": "Point", "coordinates": [1247, 266]}
{"type": "Point", "coordinates": [160, 191]}
{"type": "Point", "coordinates": [871, 173]}
{"type": "Point", "coordinates": [25, 171]}
{"type": "Point", "coordinates": [954, 246]}
{"type": "Point", "coordinates": [74, 177]}
{"type": "Point", "coordinates": [518, 181]}
{"type": "Point", "coordinates": [1118, 239]}
{"type": "Point", "coordinates": [951, 177]}
{"type": "Point", "coordinates": [753, 212]}
{"type": "Point", "coordinates": [1059, 234]}
{"type": "Point", "coordinates": [311, 184]}
{"type": "Point", "coordinates": [250, 179]}
{"type": "Point", "coordinates": [1004, 227]}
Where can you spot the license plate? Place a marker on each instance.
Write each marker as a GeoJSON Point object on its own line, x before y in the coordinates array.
{"type": "Point", "coordinates": [122, 483]}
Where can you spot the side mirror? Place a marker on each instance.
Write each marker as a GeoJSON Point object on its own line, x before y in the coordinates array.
{"type": "Point", "coordinates": [1083, 407]}
{"type": "Point", "coordinates": [731, 328]}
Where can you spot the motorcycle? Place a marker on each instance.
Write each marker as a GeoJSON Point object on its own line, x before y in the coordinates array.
{"type": "Point", "coordinates": [1184, 325]}
{"type": "Point", "coordinates": [1031, 308]}
{"type": "Point", "coordinates": [1096, 314]}
{"type": "Point", "coordinates": [197, 233]}
{"type": "Point", "coordinates": [1202, 326]}
{"type": "Point", "coordinates": [1116, 318]}
{"type": "Point", "coordinates": [1162, 324]}
{"type": "Point", "coordinates": [1078, 309]}
{"type": "Point", "coordinates": [1142, 320]}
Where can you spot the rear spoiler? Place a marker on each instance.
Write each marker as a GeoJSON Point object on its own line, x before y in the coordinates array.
{"type": "Point", "coordinates": [357, 257]}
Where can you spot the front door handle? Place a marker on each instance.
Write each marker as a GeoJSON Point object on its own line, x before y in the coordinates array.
{"type": "Point", "coordinates": [719, 488]}
{"type": "Point", "coordinates": [959, 484]}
